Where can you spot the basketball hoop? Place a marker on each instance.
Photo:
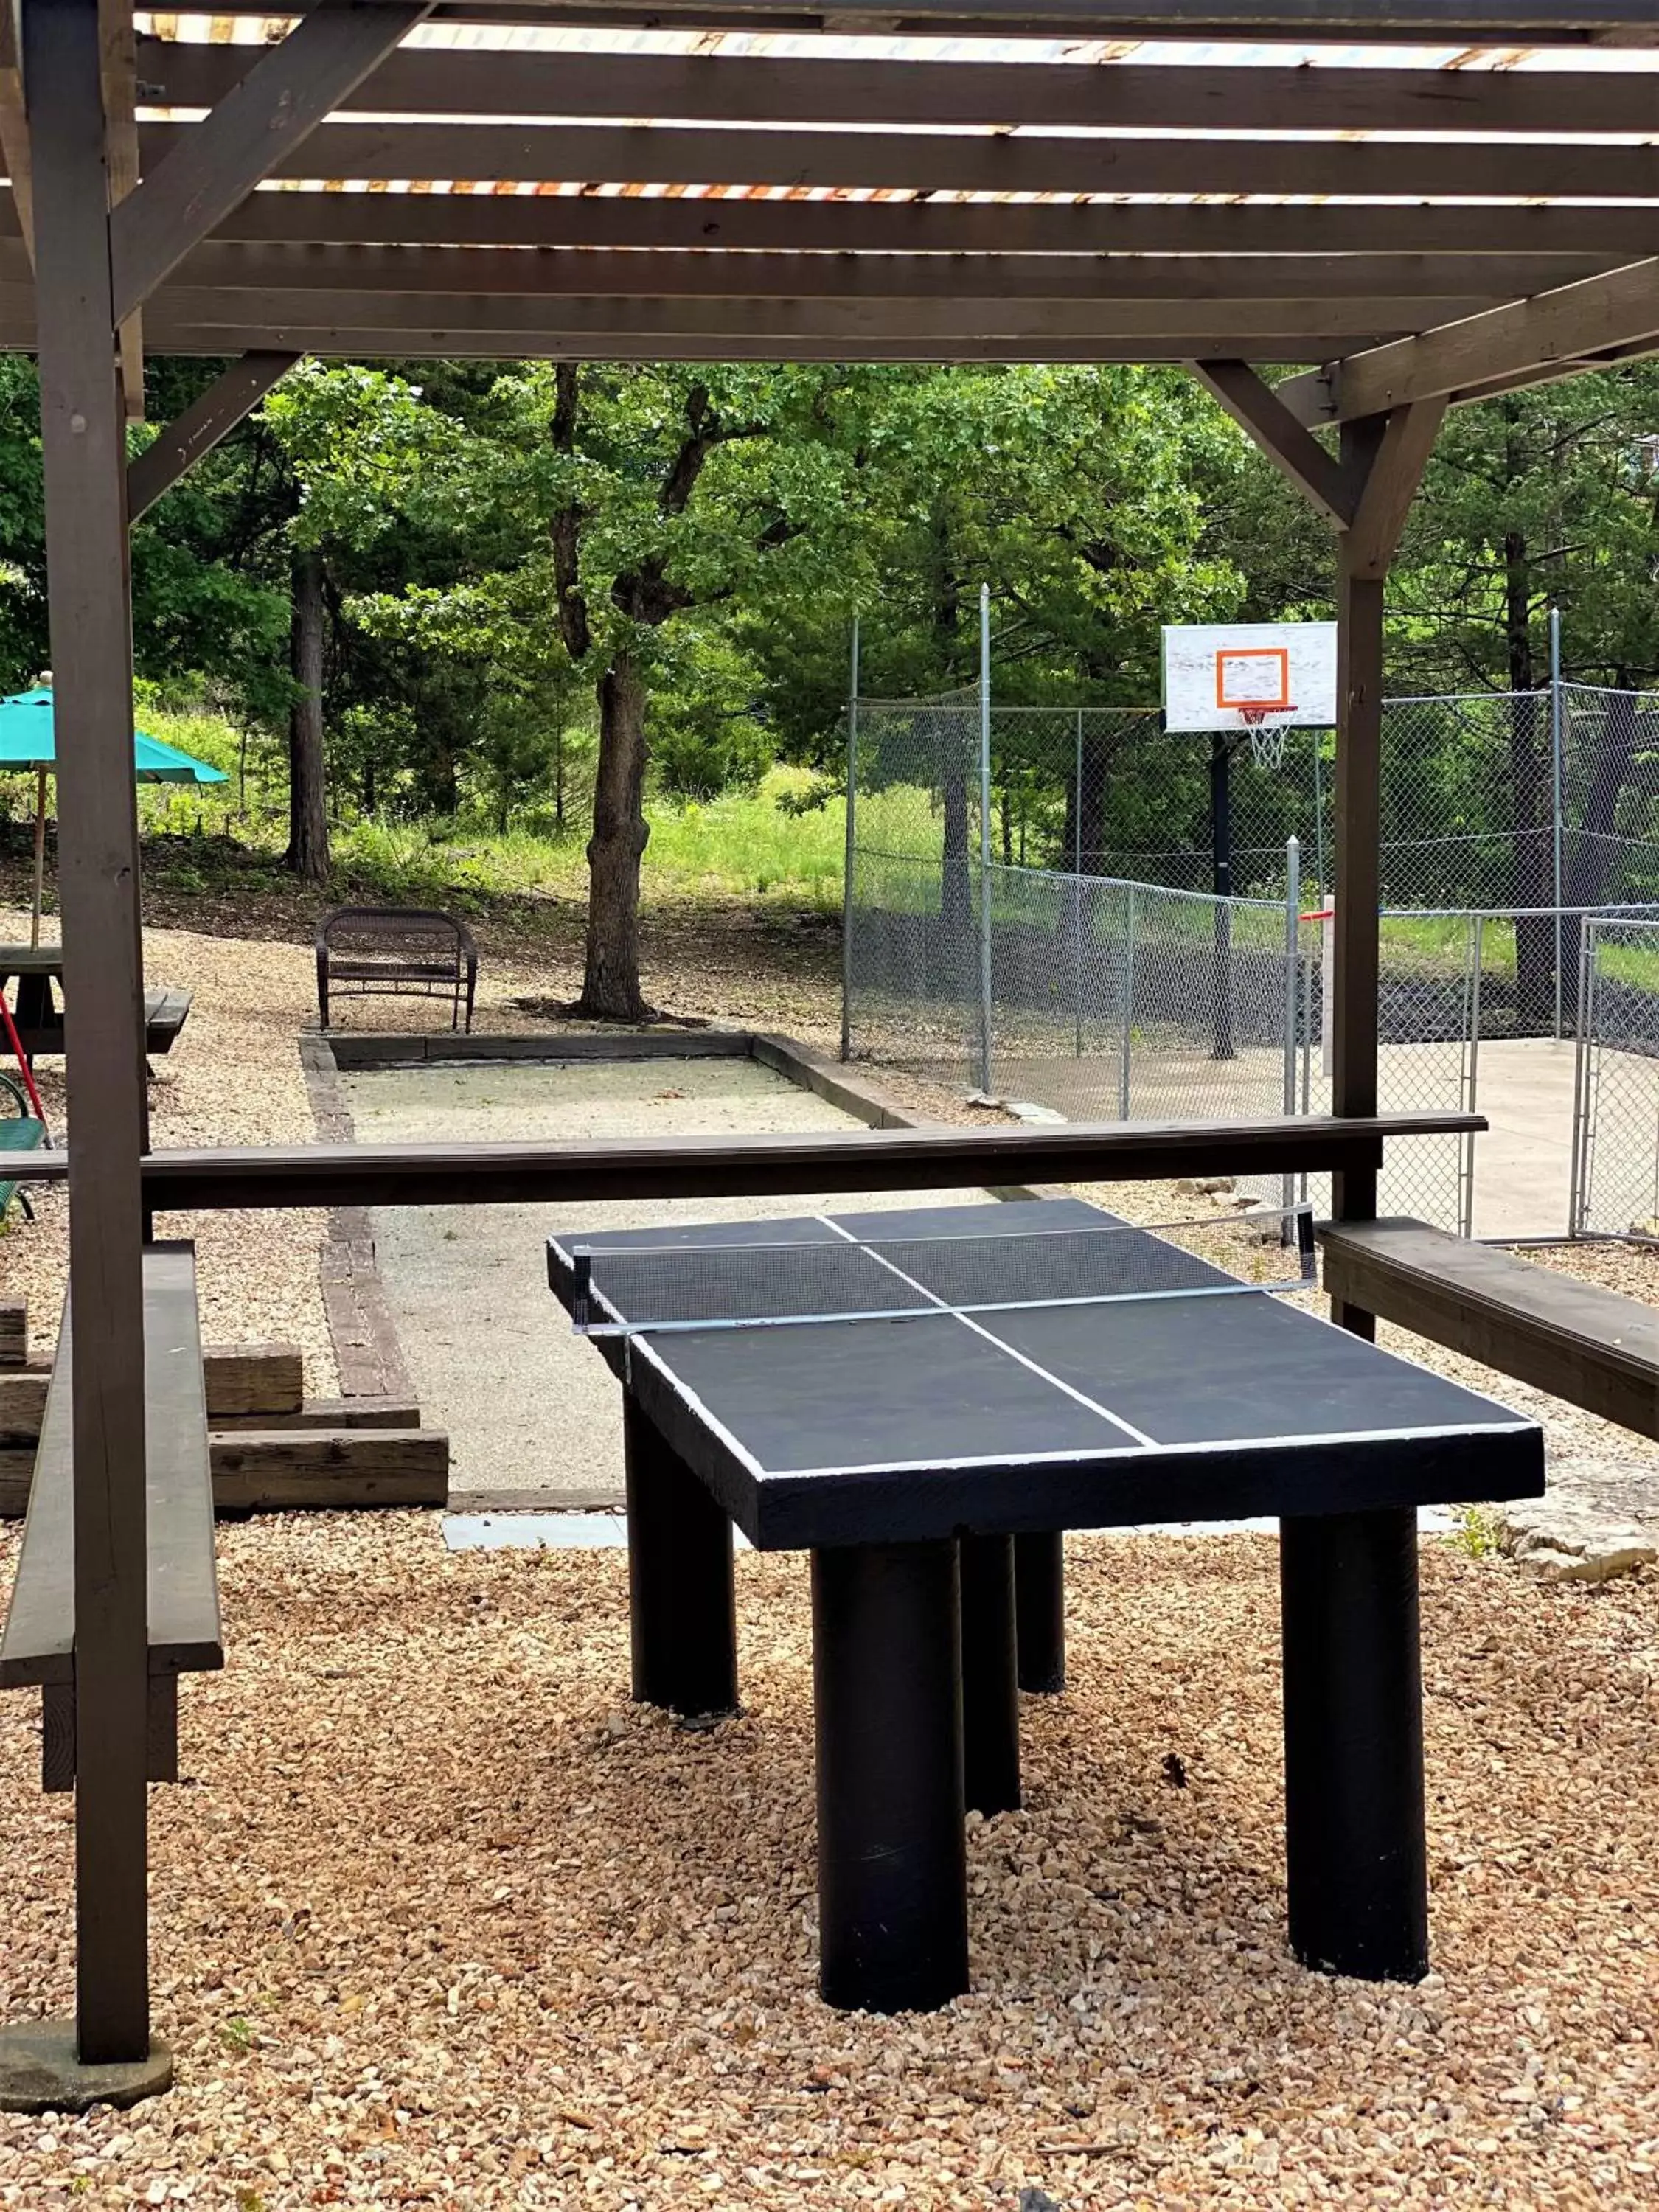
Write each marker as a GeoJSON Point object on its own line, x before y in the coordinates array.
{"type": "Point", "coordinates": [1267, 739]}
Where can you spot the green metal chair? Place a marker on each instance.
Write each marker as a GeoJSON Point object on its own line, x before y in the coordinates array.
{"type": "Point", "coordinates": [21, 1132]}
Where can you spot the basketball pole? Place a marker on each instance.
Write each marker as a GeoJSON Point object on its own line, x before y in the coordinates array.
{"type": "Point", "coordinates": [847, 867]}
{"type": "Point", "coordinates": [1221, 868]}
{"type": "Point", "coordinates": [985, 839]}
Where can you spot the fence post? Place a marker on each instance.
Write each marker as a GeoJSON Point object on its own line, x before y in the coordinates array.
{"type": "Point", "coordinates": [985, 839]}
{"type": "Point", "coordinates": [1472, 1081]}
{"type": "Point", "coordinates": [847, 865]}
{"type": "Point", "coordinates": [1558, 782]}
{"type": "Point", "coordinates": [1578, 1194]}
{"type": "Point", "coordinates": [1292, 939]}
{"type": "Point", "coordinates": [1128, 1001]}
{"type": "Point", "coordinates": [1077, 885]}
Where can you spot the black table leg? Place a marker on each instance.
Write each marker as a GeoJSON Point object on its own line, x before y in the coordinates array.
{"type": "Point", "coordinates": [892, 1866]}
{"type": "Point", "coordinates": [1039, 1610]}
{"type": "Point", "coordinates": [990, 1686]}
{"type": "Point", "coordinates": [682, 1605]}
{"type": "Point", "coordinates": [1356, 1858]}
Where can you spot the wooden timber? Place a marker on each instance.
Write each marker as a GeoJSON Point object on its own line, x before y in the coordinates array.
{"type": "Point", "coordinates": [700, 1167]}
{"type": "Point", "coordinates": [328, 1470]}
{"type": "Point", "coordinates": [1579, 1342]}
{"type": "Point", "coordinates": [14, 1333]}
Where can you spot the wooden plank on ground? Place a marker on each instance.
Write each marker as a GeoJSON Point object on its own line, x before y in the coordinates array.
{"type": "Point", "coordinates": [253, 1379]}
{"type": "Point", "coordinates": [330, 1469]}
{"type": "Point", "coordinates": [379, 1412]}
{"type": "Point", "coordinates": [22, 1405]}
{"type": "Point", "coordinates": [1574, 1340]}
{"type": "Point", "coordinates": [14, 1333]}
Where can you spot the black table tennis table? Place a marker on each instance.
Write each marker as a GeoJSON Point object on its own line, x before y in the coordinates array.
{"type": "Point", "coordinates": [925, 1401]}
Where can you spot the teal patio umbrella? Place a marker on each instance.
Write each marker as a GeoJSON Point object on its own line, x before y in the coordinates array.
{"type": "Point", "coordinates": [28, 740]}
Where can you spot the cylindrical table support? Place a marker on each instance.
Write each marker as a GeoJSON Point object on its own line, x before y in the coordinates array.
{"type": "Point", "coordinates": [682, 1605]}
{"type": "Point", "coordinates": [990, 1680]}
{"type": "Point", "coordinates": [1039, 1610]}
{"type": "Point", "coordinates": [1355, 1854]}
{"type": "Point", "coordinates": [892, 1866]}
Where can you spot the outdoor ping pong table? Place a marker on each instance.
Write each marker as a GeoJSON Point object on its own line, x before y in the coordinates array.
{"type": "Point", "coordinates": [928, 1460]}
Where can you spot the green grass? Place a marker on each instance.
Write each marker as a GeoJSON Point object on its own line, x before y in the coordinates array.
{"type": "Point", "coordinates": [747, 846]}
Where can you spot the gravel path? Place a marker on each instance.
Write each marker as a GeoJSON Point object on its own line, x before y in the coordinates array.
{"type": "Point", "coordinates": [442, 1920]}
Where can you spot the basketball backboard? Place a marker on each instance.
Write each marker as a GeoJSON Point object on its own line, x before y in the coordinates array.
{"type": "Point", "coordinates": [1225, 676]}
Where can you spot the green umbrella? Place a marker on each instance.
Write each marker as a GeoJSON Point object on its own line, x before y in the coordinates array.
{"type": "Point", "coordinates": [28, 739]}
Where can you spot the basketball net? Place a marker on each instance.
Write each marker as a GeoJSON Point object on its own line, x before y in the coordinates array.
{"type": "Point", "coordinates": [1267, 739]}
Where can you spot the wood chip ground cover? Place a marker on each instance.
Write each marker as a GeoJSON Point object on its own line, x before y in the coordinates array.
{"type": "Point", "coordinates": [440, 1919]}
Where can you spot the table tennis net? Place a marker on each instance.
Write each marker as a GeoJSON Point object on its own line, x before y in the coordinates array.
{"type": "Point", "coordinates": [630, 1290]}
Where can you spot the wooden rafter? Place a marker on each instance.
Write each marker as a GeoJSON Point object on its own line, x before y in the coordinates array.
{"type": "Point", "coordinates": [929, 160]}
{"type": "Point", "coordinates": [14, 128]}
{"type": "Point", "coordinates": [754, 89]}
{"type": "Point", "coordinates": [192, 180]}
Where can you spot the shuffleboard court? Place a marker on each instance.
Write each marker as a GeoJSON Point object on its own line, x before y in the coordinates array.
{"type": "Point", "coordinates": [925, 1400]}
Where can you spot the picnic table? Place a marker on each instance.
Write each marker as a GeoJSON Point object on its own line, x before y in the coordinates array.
{"type": "Point", "coordinates": [908, 1396]}
{"type": "Point", "coordinates": [38, 972]}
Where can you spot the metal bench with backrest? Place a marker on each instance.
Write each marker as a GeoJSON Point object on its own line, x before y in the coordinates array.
{"type": "Point", "coordinates": [397, 953]}
{"type": "Point", "coordinates": [183, 1632]}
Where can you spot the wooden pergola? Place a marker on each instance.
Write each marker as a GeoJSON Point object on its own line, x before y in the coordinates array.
{"type": "Point", "coordinates": [455, 181]}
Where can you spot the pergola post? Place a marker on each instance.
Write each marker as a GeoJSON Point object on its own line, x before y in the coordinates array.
{"type": "Point", "coordinates": [83, 453]}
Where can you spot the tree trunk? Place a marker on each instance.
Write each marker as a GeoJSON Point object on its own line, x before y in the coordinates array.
{"type": "Point", "coordinates": [307, 810]}
{"type": "Point", "coordinates": [611, 985]}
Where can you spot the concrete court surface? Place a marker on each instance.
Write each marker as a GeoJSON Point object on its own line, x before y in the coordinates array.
{"type": "Point", "coordinates": [529, 1406]}
{"type": "Point", "coordinates": [1523, 1086]}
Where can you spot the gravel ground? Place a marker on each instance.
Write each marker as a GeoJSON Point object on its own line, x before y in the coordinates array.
{"type": "Point", "coordinates": [440, 1919]}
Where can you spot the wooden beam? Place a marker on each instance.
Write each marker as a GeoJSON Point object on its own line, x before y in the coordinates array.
{"type": "Point", "coordinates": [15, 127]}
{"type": "Point", "coordinates": [927, 1159]}
{"type": "Point", "coordinates": [1607, 236]}
{"type": "Point", "coordinates": [924, 161]}
{"type": "Point", "coordinates": [1619, 309]}
{"type": "Point", "coordinates": [1461, 22]}
{"type": "Point", "coordinates": [737, 319]}
{"type": "Point", "coordinates": [1395, 471]}
{"type": "Point", "coordinates": [441, 272]}
{"type": "Point", "coordinates": [225, 402]}
{"type": "Point", "coordinates": [82, 441]}
{"type": "Point", "coordinates": [264, 122]}
{"type": "Point", "coordinates": [120, 69]}
{"type": "Point", "coordinates": [760, 90]}
{"type": "Point", "coordinates": [1293, 450]}
{"type": "Point", "coordinates": [343, 342]}
{"type": "Point", "coordinates": [1528, 380]}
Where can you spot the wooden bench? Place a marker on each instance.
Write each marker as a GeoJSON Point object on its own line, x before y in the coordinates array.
{"type": "Point", "coordinates": [397, 953]}
{"type": "Point", "coordinates": [185, 1636]}
{"type": "Point", "coordinates": [21, 1132]}
{"type": "Point", "coordinates": [1586, 1345]}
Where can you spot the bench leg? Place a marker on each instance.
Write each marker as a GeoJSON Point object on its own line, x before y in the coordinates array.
{"type": "Point", "coordinates": [1356, 1859]}
{"type": "Point", "coordinates": [892, 1857]}
{"type": "Point", "coordinates": [682, 1603]}
{"type": "Point", "coordinates": [1039, 1610]}
{"type": "Point", "coordinates": [990, 1686]}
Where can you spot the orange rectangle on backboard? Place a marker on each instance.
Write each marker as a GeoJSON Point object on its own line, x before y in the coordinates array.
{"type": "Point", "coordinates": [1253, 676]}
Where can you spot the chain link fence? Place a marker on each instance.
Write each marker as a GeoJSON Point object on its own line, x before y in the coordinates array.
{"type": "Point", "coordinates": [979, 952]}
{"type": "Point", "coordinates": [1616, 1098]}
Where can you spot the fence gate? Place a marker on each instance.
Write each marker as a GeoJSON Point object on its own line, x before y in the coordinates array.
{"type": "Point", "coordinates": [1615, 1151]}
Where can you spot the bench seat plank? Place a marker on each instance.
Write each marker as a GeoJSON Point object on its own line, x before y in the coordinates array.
{"type": "Point", "coordinates": [184, 1630]}
{"type": "Point", "coordinates": [1573, 1339]}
